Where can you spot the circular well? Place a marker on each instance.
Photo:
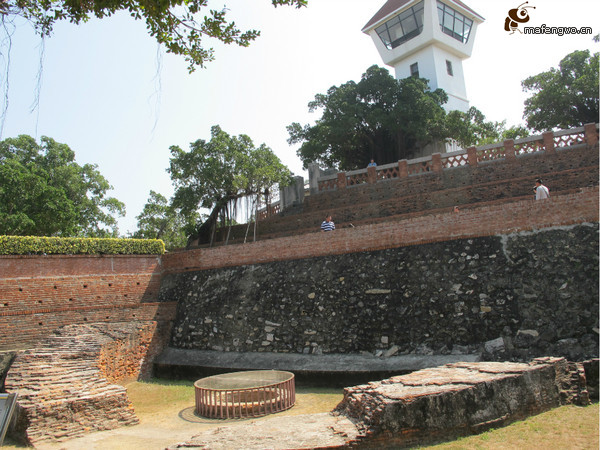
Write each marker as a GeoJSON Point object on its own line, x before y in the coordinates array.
{"type": "Point", "coordinates": [245, 394]}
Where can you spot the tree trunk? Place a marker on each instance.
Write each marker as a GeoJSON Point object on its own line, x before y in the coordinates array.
{"type": "Point", "coordinates": [205, 232]}
{"type": "Point", "coordinates": [401, 152]}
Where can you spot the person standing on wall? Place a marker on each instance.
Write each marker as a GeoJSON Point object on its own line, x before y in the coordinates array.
{"type": "Point", "coordinates": [327, 224]}
{"type": "Point", "coordinates": [541, 191]}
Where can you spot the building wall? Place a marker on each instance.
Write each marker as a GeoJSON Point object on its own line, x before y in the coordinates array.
{"type": "Point", "coordinates": [516, 280]}
{"type": "Point", "coordinates": [40, 293]}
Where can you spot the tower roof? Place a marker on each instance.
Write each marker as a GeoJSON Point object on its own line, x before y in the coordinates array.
{"type": "Point", "coordinates": [393, 5]}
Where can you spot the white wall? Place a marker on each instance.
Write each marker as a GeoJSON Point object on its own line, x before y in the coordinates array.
{"type": "Point", "coordinates": [432, 65]}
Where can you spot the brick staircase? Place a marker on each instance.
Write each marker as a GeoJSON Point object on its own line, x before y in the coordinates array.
{"type": "Point", "coordinates": [64, 388]}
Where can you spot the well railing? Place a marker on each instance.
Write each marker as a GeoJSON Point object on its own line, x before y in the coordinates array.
{"type": "Point", "coordinates": [508, 150]}
{"type": "Point", "coordinates": [245, 394]}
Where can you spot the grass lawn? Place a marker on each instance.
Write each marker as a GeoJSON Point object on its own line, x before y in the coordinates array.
{"type": "Point", "coordinates": [567, 427]}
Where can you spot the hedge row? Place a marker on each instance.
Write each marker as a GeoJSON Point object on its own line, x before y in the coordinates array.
{"type": "Point", "coordinates": [38, 245]}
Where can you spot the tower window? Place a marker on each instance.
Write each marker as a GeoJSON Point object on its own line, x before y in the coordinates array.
{"type": "Point", "coordinates": [454, 23]}
{"type": "Point", "coordinates": [403, 27]}
{"type": "Point", "coordinates": [414, 70]}
{"type": "Point", "coordinates": [449, 68]}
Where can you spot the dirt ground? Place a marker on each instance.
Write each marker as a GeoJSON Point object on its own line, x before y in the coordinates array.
{"type": "Point", "coordinates": [166, 413]}
{"type": "Point", "coordinates": [167, 423]}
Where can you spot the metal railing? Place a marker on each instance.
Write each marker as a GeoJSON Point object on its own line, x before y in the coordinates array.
{"type": "Point", "coordinates": [245, 394]}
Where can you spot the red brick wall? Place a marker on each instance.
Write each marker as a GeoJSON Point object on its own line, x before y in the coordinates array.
{"type": "Point", "coordinates": [487, 220]}
{"type": "Point", "coordinates": [41, 293]}
{"type": "Point", "coordinates": [131, 358]}
{"type": "Point", "coordinates": [562, 171]}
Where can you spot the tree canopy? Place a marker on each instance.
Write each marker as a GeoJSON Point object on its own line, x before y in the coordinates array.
{"type": "Point", "coordinates": [564, 97]}
{"type": "Point", "coordinates": [470, 128]}
{"type": "Point", "coordinates": [179, 25]}
{"type": "Point", "coordinates": [44, 192]}
{"type": "Point", "coordinates": [379, 117]}
{"type": "Point", "coordinates": [217, 173]}
{"type": "Point", "coordinates": [159, 220]}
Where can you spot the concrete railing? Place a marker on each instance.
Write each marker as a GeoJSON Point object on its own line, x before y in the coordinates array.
{"type": "Point", "coordinates": [510, 149]}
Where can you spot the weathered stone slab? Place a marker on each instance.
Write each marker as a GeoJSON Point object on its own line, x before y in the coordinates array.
{"type": "Point", "coordinates": [309, 431]}
{"type": "Point", "coordinates": [304, 363]}
{"type": "Point", "coordinates": [459, 399]}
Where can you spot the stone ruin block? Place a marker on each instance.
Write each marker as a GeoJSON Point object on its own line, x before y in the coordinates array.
{"type": "Point", "coordinates": [446, 402]}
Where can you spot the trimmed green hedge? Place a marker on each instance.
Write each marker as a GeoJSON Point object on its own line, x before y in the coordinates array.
{"type": "Point", "coordinates": [39, 245]}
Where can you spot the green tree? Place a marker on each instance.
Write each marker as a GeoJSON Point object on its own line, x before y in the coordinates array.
{"type": "Point", "coordinates": [379, 117]}
{"type": "Point", "coordinates": [179, 25]}
{"type": "Point", "coordinates": [216, 174]}
{"type": "Point", "coordinates": [159, 220]}
{"type": "Point", "coordinates": [566, 96]}
{"type": "Point", "coordinates": [470, 128]}
{"type": "Point", "coordinates": [44, 192]}
{"type": "Point", "coordinates": [514, 132]}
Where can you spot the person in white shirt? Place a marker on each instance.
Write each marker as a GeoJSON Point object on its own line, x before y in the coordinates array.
{"type": "Point", "coordinates": [541, 191]}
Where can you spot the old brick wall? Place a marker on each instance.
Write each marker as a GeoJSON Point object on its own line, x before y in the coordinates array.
{"type": "Point", "coordinates": [468, 186]}
{"type": "Point", "coordinates": [564, 169]}
{"type": "Point", "coordinates": [567, 209]}
{"type": "Point", "coordinates": [40, 293]}
{"type": "Point", "coordinates": [66, 381]}
{"type": "Point", "coordinates": [443, 403]}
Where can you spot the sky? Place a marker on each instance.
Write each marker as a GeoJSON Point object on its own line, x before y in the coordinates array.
{"type": "Point", "coordinates": [120, 101]}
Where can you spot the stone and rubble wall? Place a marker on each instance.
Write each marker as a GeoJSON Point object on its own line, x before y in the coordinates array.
{"type": "Point", "coordinates": [40, 293]}
{"type": "Point", "coordinates": [514, 295]}
{"type": "Point", "coordinates": [66, 383]}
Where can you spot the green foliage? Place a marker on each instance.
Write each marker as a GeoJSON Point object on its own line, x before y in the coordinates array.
{"type": "Point", "coordinates": [215, 174]}
{"type": "Point", "coordinates": [514, 132]}
{"type": "Point", "coordinates": [25, 245]}
{"type": "Point", "coordinates": [379, 117]}
{"type": "Point", "coordinates": [179, 25]}
{"type": "Point", "coordinates": [159, 220]}
{"type": "Point", "coordinates": [564, 97]}
{"type": "Point", "coordinates": [44, 192]}
{"type": "Point", "coordinates": [471, 128]}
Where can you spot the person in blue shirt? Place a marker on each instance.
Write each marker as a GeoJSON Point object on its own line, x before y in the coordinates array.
{"type": "Point", "coordinates": [327, 224]}
{"type": "Point", "coordinates": [372, 163]}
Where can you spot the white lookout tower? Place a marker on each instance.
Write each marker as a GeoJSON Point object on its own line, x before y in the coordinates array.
{"type": "Point", "coordinates": [427, 39]}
